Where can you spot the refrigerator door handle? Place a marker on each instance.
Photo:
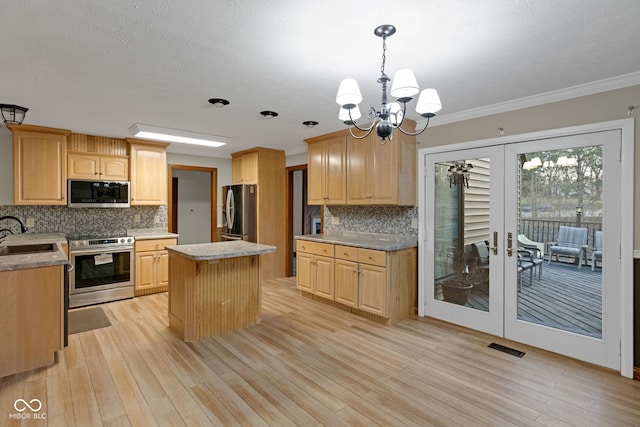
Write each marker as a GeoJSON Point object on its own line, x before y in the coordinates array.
{"type": "Point", "coordinates": [230, 209]}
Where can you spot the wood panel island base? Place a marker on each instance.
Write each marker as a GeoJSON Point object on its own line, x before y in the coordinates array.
{"type": "Point", "coordinates": [214, 287]}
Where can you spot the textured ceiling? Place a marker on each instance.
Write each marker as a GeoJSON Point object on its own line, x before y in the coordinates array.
{"type": "Point", "coordinates": [97, 67]}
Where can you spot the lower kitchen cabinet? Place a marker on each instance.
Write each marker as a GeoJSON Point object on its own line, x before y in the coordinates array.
{"type": "Point", "coordinates": [365, 281]}
{"type": "Point", "coordinates": [315, 270]}
{"type": "Point", "coordinates": [31, 318]}
{"type": "Point", "coordinates": [152, 266]}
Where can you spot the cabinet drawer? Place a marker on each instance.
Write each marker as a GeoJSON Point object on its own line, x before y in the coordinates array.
{"type": "Point", "coordinates": [153, 245]}
{"type": "Point", "coordinates": [373, 257]}
{"type": "Point", "coordinates": [347, 252]}
{"type": "Point", "coordinates": [316, 248]}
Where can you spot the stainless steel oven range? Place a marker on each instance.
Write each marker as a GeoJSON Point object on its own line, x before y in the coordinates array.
{"type": "Point", "coordinates": [102, 270]}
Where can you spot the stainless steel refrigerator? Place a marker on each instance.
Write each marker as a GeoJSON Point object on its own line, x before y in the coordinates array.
{"type": "Point", "coordinates": [239, 211]}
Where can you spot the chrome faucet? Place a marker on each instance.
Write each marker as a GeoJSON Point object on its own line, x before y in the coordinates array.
{"type": "Point", "coordinates": [23, 229]}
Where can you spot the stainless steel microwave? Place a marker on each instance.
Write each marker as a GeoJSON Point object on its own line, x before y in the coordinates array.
{"type": "Point", "coordinates": [86, 193]}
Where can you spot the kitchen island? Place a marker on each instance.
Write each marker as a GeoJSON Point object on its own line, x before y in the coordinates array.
{"type": "Point", "coordinates": [214, 287]}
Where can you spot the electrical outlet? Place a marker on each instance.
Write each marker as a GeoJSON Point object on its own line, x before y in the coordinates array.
{"type": "Point", "coordinates": [136, 218]}
{"type": "Point", "coordinates": [414, 222]}
{"type": "Point", "coordinates": [335, 220]}
{"type": "Point", "coordinates": [31, 222]}
{"type": "Point", "coordinates": [156, 219]}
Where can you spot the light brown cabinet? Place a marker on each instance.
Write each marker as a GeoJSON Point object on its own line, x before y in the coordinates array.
{"type": "Point", "coordinates": [91, 166]}
{"type": "Point", "coordinates": [327, 169]}
{"type": "Point", "coordinates": [31, 318]}
{"type": "Point", "coordinates": [266, 168]}
{"type": "Point", "coordinates": [244, 168]}
{"type": "Point", "coordinates": [39, 165]}
{"type": "Point", "coordinates": [361, 278]}
{"type": "Point", "coordinates": [152, 266]}
{"type": "Point", "coordinates": [345, 170]}
{"type": "Point", "coordinates": [382, 173]}
{"type": "Point", "coordinates": [379, 283]}
{"type": "Point", "coordinates": [148, 172]}
{"type": "Point", "coordinates": [315, 268]}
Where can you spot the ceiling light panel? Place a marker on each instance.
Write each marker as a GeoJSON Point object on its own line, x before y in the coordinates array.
{"type": "Point", "coordinates": [177, 136]}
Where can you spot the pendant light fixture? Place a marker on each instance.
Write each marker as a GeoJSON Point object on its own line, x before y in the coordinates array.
{"type": "Point", "coordinates": [13, 114]}
{"type": "Point", "coordinates": [391, 114]}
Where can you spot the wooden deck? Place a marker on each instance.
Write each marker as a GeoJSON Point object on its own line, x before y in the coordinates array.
{"type": "Point", "coordinates": [564, 298]}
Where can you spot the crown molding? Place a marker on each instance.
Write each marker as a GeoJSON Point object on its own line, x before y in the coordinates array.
{"type": "Point", "coordinates": [599, 86]}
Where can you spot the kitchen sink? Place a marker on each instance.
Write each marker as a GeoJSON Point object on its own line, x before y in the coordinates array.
{"type": "Point", "coordinates": [28, 249]}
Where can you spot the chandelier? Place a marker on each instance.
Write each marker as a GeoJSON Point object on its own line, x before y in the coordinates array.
{"type": "Point", "coordinates": [391, 114]}
{"type": "Point", "coordinates": [458, 173]}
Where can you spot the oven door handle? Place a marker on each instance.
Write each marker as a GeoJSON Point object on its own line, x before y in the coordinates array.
{"type": "Point", "coordinates": [70, 268]}
{"type": "Point", "coordinates": [98, 251]}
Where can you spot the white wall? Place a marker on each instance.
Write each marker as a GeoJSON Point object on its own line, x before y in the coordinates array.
{"type": "Point", "coordinates": [194, 207]}
{"type": "Point", "coordinates": [297, 159]}
{"type": "Point", "coordinates": [222, 165]}
{"type": "Point", "coordinates": [6, 170]}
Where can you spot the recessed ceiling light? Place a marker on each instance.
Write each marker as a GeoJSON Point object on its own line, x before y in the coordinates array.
{"type": "Point", "coordinates": [269, 114]}
{"type": "Point", "coordinates": [310, 123]}
{"type": "Point", "coordinates": [218, 102]}
{"type": "Point", "coordinates": [176, 135]}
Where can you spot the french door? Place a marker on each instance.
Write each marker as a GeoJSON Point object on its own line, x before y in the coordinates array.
{"type": "Point", "coordinates": [522, 240]}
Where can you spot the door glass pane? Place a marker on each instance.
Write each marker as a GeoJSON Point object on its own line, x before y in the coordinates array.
{"type": "Point", "coordinates": [462, 233]}
{"type": "Point", "coordinates": [560, 239]}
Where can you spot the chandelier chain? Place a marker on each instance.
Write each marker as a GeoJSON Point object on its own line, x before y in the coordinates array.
{"type": "Point", "coordinates": [384, 54]}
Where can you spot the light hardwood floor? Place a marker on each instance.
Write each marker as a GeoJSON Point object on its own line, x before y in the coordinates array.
{"type": "Point", "coordinates": [309, 364]}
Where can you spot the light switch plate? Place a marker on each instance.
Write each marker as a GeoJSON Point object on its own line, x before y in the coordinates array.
{"type": "Point", "coordinates": [335, 220]}
{"type": "Point", "coordinates": [136, 218]}
{"type": "Point", "coordinates": [414, 222]}
{"type": "Point", "coordinates": [31, 222]}
{"type": "Point", "coordinates": [156, 219]}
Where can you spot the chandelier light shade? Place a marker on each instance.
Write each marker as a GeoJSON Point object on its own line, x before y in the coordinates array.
{"type": "Point", "coordinates": [13, 114]}
{"type": "Point", "coordinates": [391, 115]}
{"type": "Point", "coordinates": [348, 115]}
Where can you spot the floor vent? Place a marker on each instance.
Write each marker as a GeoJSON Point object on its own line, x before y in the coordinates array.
{"type": "Point", "coordinates": [507, 350]}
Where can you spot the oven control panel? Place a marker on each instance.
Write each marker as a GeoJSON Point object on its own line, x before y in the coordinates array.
{"type": "Point", "coordinates": [106, 242]}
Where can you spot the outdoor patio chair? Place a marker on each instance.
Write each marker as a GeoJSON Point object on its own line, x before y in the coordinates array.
{"type": "Point", "coordinates": [572, 241]}
{"type": "Point", "coordinates": [525, 262]}
{"type": "Point", "coordinates": [597, 251]}
{"type": "Point", "coordinates": [525, 242]}
{"type": "Point", "coordinates": [481, 251]}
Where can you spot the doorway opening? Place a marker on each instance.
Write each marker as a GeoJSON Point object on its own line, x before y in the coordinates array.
{"type": "Point", "coordinates": [192, 207]}
{"type": "Point", "coordinates": [301, 217]}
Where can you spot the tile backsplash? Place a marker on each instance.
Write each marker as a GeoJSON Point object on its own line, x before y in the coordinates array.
{"type": "Point", "coordinates": [372, 219]}
{"type": "Point", "coordinates": [96, 221]}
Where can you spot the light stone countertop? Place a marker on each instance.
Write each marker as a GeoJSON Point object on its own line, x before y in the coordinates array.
{"type": "Point", "coordinates": [382, 242]}
{"type": "Point", "coordinates": [34, 260]}
{"type": "Point", "coordinates": [220, 250]}
{"type": "Point", "coordinates": [151, 233]}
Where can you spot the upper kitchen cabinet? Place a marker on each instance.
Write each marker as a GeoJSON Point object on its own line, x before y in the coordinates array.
{"type": "Point", "coordinates": [266, 167]}
{"type": "Point", "coordinates": [382, 173]}
{"type": "Point", "coordinates": [344, 170]}
{"type": "Point", "coordinates": [90, 166]}
{"type": "Point", "coordinates": [244, 168]}
{"type": "Point", "coordinates": [327, 169]}
{"type": "Point", "coordinates": [148, 172]}
{"type": "Point", "coordinates": [39, 165]}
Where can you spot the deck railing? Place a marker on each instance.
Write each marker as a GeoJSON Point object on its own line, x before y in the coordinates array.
{"type": "Point", "coordinates": [546, 230]}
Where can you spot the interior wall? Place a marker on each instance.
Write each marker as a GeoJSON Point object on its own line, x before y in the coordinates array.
{"type": "Point", "coordinates": [6, 169]}
{"type": "Point", "coordinates": [223, 166]}
{"type": "Point", "coordinates": [601, 107]}
{"type": "Point", "coordinates": [194, 206]}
